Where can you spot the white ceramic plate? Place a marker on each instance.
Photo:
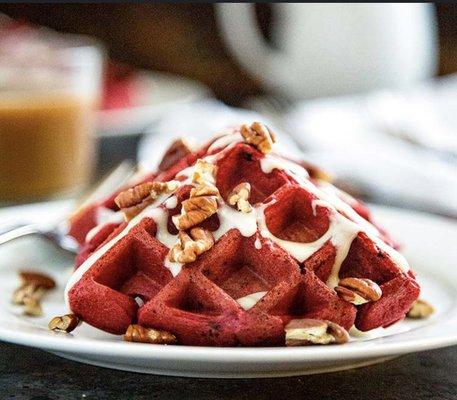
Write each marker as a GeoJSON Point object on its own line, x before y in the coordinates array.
{"type": "Point", "coordinates": [429, 243]}
{"type": "Point", "coordinates": [160, 91]}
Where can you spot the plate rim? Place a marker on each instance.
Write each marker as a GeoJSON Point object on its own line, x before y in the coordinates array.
{"type": "Point", "coordinates": [245, 355]}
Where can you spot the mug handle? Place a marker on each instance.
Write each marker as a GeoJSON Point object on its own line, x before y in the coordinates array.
{"type": "Point", "coordinates": [241, 33]}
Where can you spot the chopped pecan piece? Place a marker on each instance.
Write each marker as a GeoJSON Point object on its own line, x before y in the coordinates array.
{"type": "Point", "coordinates": [37, 279]}
{"type": "Point", "coordinates": [138, 333]}
{"type": "Point", "coordinates": [304, 332]}
{"type": "Point", "coordinates": [204, 172]}
{"type": "Point", "coordinates": [134, 195]}
{"type": "Point", "coordinates": [194, 211]}
{"type": "Point", "coordinates": [32, 289]}
{"type": "Point", "coordinates": [204, 190]}
{"type": "Point", "coordinates": [134, 200]}
{"type": "Point", "coordinates": [32, 302]}
{"type": "Point", "coordinates": [259, 135]}
{"type": "Point", "coordinates": [65, 323]}
{"type": "Point", "coordinates": [191, 246]}
{"type": "Point", "coordinates": [420, 310]}
{"type": "Point", "coordinates": [177, 150]}
{"type": "Point", "coordinates": [159, 188]}
{"type": "Point", "coordinates": [358, 291]}
{"type": "Point", "coordinates": [201, 204]}
{"type": "Point", "coordinates": [240, 196]}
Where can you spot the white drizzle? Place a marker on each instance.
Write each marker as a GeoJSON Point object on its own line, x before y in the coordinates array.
{"type": "Point", "coordinates": [249, 301]}
{"type": "Point", "coordinates": [160, 217]}
{"type": "Point", "coordinates": [229, 218]}
{"type": "Point", "coordinates": [330, 200]}
{"type": "Point", "coordinates": [224, 141]}
{"type": "Point", "coordinates": [103, 217]}
{"type": "Point", "coordinates": [341, 231]}
{"type": "Point", "coordinates": [149, 211]}
{"type": "Point", "coordinates": [171, 203]}
{"type": "Point", "coordinates": [174, 267]}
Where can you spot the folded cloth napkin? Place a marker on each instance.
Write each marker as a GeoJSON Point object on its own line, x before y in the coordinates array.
{"type": "Point", "coordinates": [355, 138]}
{"type": "Point", "coordinates": [401, 148]}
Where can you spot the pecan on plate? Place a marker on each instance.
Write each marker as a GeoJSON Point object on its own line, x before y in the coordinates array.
{"type": "Point", "coordinates": [190, 246]}
{"type": "Point", "coordinates": [65, 323]}
{"type": "Point", "coordinates": [420, 309]}
{"type": "Point", "coordinates": [259, 135]}
{"type": "Point", "coordinates": [31, 290]}
{"type": "Point", "coordinates": [305, 332]}
{"type": "Point", "coordinates": [358, 291]}
{"type": "Point", "coordinates": [177, 150]}
{"type": "Point", "coordinates": [140, 334]}
{"type": "Point", "coordinates": [239, 197]}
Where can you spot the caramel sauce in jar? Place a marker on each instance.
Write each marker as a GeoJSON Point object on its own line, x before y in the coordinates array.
{"type": "Point", "coordinates": [47, 145]}
{"type": "Point", "coordinates": [49, 91]}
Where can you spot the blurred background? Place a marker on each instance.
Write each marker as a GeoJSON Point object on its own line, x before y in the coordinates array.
{"type": "Point", "coordinates": [366, 90]}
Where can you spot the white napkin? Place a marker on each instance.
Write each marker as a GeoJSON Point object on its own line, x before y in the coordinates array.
{"type": "Point", "coordinates": [399, 147]}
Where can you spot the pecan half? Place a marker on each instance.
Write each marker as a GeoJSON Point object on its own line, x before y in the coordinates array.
{"type": "Point", "coordinates": [177, 150]}
{"type": "Point", "coordinates": [189, 247]}
{"type": "Point", "coordinates": [420, 309]}
{"type": "Point", "coordinates": [304, 332]}
{"type": "Point", "coordinates": [195, 210]}
{"type": "Point", "coordinates": [239, 196]}
{"type": "Point", "coordinates": [259, 135]}
{"type": "Point", "coordinates": [37, 279]}
{"type": "Point", "coordinates": [134, 195]}
{"type": "Point", "coordinates": [65, 323]}
{"type": "Point", "coordinates": [204, 172]}
{"type": "Point", "coordinates": [358, 291]}
{"type": "Point", "coordinates": [32, 302]}
{"type": "Point", "coordinates": [159, 188]}
{"type": "Point", "coordinates": [134, 200]}
{"type": "Point", "coordinates": [138, 333]}
{"type": "Point", "coordinates": [33, 287]}
{"type": "Point", "coordinates": [204, 190]}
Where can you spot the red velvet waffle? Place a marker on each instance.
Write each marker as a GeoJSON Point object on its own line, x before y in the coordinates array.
{"type": "Point", "coordinates": [301, 237]}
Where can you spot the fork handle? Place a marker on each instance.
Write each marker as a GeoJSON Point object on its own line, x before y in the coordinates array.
{"type": "Point", "coordinates": [17, 232]}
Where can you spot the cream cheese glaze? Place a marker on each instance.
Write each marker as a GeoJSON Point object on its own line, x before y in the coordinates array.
{"type": "Point", "coordinates": [250, 300]}
{"type": "Point", "coordinates": [104, 216]}
{"type": "Point", "coordinates": [329, 198]}
{"type": "Point", "coordinates": [344, 225]}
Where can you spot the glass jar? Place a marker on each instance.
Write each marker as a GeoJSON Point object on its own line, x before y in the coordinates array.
{"type": "Point", "coordinates": [49, 92]}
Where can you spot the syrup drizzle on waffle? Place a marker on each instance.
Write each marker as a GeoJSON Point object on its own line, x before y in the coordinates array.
{"type": "Point", "coordinates": [345, 222]}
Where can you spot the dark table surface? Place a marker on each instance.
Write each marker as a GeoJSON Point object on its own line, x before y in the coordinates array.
{"type": "Point", "coordinates": [35, 375]}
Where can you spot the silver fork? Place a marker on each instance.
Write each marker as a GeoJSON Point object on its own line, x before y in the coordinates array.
{"type": "Point", "coordinates": [58, 234]}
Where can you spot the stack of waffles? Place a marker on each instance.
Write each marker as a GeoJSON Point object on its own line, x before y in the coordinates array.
{"type": "Point", "coordinates": [233, 244]}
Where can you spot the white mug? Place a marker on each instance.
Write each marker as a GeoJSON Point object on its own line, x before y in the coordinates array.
{"type": "Point", "coordinates": [331, 49]}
